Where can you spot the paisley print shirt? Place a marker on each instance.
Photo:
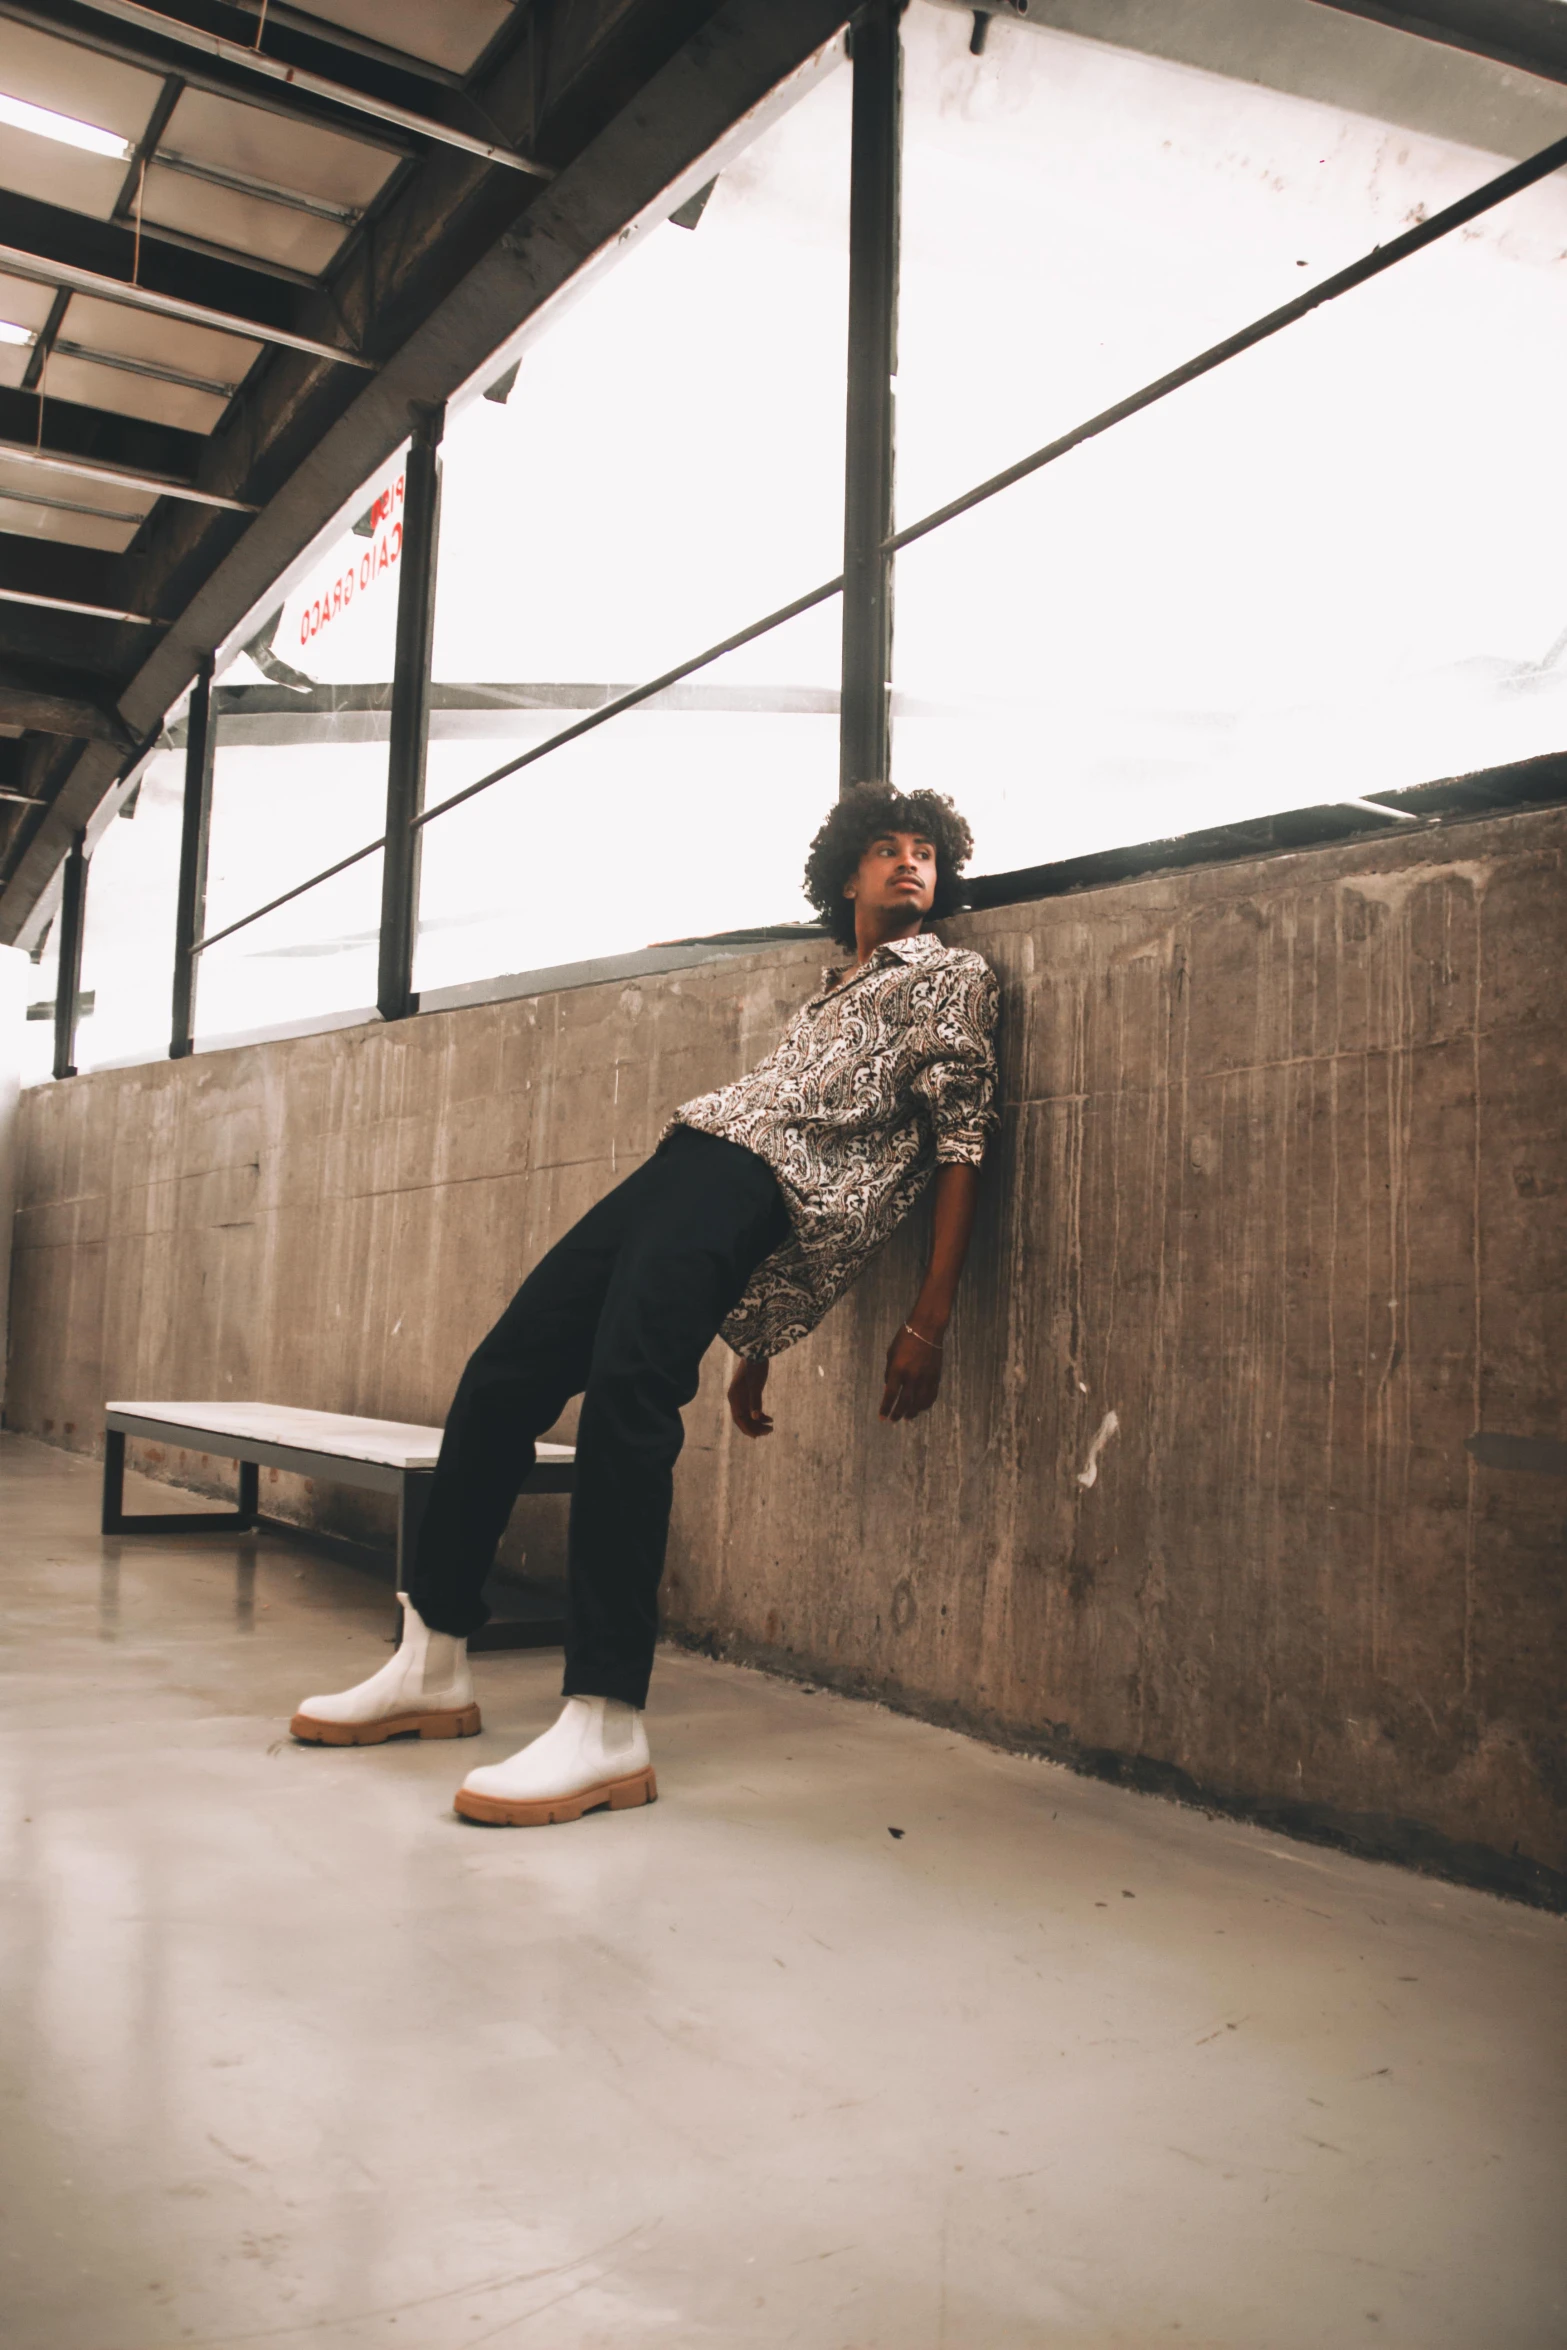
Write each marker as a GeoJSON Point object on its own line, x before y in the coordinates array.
{"type": "Point", "coordinates": [877, 1082]}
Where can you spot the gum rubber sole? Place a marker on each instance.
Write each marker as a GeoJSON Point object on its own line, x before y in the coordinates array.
{"type": "Point", "coordinates": [494, 1811]}
{"type": "Point", "coordinates": [462, 1723]}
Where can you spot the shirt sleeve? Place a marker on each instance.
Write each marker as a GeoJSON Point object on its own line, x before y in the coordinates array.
{"type": "Point", "coordinates": [957, 1081]}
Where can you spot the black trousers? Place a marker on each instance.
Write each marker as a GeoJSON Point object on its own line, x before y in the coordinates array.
{"type": "Point", "coordinates": [621, 1312]}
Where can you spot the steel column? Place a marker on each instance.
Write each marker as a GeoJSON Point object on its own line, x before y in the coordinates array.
{"type": "Point", "coordinates": [68, 985]}
{"type": "Point", "coordinates": [864, 736]}
{"type": "Point", "coordinates": [410, 724]}
{"type": "Point", "coordinates": [191, 910]}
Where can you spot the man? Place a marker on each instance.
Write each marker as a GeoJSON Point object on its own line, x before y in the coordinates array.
{"type": "Point", "coordinates": [759, 1207]}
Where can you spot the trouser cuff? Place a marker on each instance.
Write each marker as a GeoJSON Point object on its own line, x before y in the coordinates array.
{"type": "Point", "coordinates": [449, 1615]}
{"type": "Point", "coordinates": [630, 1689]}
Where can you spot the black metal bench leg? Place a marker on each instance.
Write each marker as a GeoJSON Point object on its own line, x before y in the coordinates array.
{"type": "Point", "coordinates": [114, 1481]}
{"type": "Point", "coordinates": [412, 1502]}
{"type": "Point", "coordinates": [117, 1521]}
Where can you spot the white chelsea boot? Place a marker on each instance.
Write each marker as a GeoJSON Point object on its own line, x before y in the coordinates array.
{"type": "Point", "coordinates": [424, 1690]}
{"type": "Point", "coordinates": [595, 1758]}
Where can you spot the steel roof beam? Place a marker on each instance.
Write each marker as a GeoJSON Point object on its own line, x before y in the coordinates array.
{"type": "Point", "coordinates": [130, 189]}
{"type": "Point", "coordinates": [63, 248]}
{"type": "Point", "coordinates": [55, 598]}
{"type": "Point", "coordinates": [17, 261]}
{"type": "Point", "coordinates": [74, 432]}
{"type": "Point", "coordinates": [208, 249]}
{"type": "Point", "coordinates": [53, 501]}
{"type": "Point", "coordinates": [320, 30]}
{"type": "Point", "coordinates": [242, 57]}
{"type": "Point", "coordinates": [43, 342]}
{"type": "Point", "coordinates": [147, 145]}
{"type": "Point", "coordinates": [122, 477]}
{"type": "Point", "coordinates": [77, 22]}
{"type": "Point", "coordinates": [82, 611]}
{"type": "Point", "coordinates": [54, 247]}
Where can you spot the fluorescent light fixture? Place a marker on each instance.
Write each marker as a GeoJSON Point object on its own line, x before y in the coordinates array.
{"type": "Point", "coordinates": [44, 123]}
{"type": "Point", "coordinates": [16, 334]}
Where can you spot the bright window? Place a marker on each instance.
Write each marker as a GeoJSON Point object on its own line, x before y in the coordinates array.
{"type": "Point", "coordinates": [299, 779]}
{"type": "Point", "coordinates": [1332, 567]}
{"type": "Point", "coordinates": [128, 939]}
{"type": "Point", "coordinates": [667, 467]}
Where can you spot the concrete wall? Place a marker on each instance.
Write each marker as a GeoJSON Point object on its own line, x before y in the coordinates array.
{"type": "Point", "coordinates": [15, 971]}
{"type": "Point", "coordinates": [1281, 1187]}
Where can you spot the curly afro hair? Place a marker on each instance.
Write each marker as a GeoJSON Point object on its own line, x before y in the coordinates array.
{"type": "Point", "coordinates": [865, 814]}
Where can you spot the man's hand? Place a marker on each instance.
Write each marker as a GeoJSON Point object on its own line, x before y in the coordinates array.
{"type": "Point", "coordinates": [745, 1398]}
{"type": "Point", "coordinates": [913, 1377]}
{"type": "Point", "coordinates": [914, 1362]}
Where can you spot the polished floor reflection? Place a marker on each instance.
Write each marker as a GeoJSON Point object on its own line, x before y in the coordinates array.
{"type": "Point", "coordinates": [864, 2037]}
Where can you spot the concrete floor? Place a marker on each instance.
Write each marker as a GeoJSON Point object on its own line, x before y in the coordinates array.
{"type": "Point", "coordinates": [292, 2056]}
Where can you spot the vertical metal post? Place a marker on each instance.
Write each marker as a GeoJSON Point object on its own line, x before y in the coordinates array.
{"type": "Point", "coordinates": [190, 911]}
{"type": "Point", "coordinates": [410, 714]}
{"type": "Point", "coordinates": [413, 1499]}
{"type": "Point", "coordinates": [114, 1481]}
{"type": "Point", "coordinates": [864, 730]}
{"type": "Point", "coordinates": [68, 986]}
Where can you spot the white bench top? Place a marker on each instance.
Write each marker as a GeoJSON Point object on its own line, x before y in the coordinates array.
{"type": "Point", "coordinates": [398, 1443]}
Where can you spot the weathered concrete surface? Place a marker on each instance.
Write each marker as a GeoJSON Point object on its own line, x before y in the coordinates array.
{"type": "Point", "coordinates": [1281, 1187]}
{"type": "Point", "coordinates": [296, 2060]}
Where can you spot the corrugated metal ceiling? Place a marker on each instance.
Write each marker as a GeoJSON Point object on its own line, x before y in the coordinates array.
{"type": "Point", "coordinates": [239, 178]}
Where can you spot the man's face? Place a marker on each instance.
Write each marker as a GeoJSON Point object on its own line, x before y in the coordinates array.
{"type": "Point", "coordinates": [898, 870]}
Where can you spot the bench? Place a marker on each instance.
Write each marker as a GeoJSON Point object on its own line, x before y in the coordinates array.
{"type": "Point", "coordinates": [383, 1456]}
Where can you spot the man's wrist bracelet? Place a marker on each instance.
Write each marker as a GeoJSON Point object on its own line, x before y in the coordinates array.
{"type": "Point", "coordinates": [935, 1344]}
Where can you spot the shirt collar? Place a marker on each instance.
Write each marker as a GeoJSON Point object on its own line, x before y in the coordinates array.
{"type": "Point", "coordinates": [915, 949]}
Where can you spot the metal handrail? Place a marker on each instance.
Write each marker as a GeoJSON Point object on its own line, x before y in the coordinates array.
{"type": "Point", "coordinates": [568, 734]}
{"type": "Point", "coordinates": [1381, 257]}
